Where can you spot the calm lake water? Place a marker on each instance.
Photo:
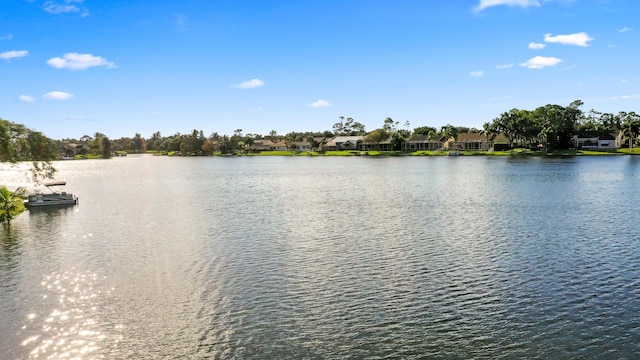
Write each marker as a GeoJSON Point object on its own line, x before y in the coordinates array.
{"type": "Point", "coordinates": [326, 257]}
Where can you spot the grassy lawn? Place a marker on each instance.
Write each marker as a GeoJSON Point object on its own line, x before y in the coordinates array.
{"type": "Point", "coordinates": [87, 156]}
{"type": "Point", "coordinates": [513, 152]}
{"type": "Point", "coordinates": [636, 151]}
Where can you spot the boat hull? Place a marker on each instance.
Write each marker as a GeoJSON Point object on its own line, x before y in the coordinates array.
{"type": "Point", "coordinates": [40, 200]}
{"type": "Point", "coordinates": [31, 204]}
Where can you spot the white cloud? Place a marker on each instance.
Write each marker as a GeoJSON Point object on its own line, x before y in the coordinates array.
{"type": "Point", "coordinates": [484, 4]}
{"type": "Point", "coordinates": [625, 29]}
{"type": "Point", "coordinates": [320, 103]}
{"type": "Point", "coordinates": [75, 61]}
{"type": "Point", "coordinates": [250, 84]}
{"type": "Point", "coordinates": [6, 37]}
{"type": "Point", "coordinates": [504, 66]}
{"type": "Point", "coordinates": [65, 6]}
{"type": "Point", "coordinates": [57, 95]}
{"type": "Point", "coordinates": [26, 98]}
{"type": "Point", "coordinates": [476, 73]}
{"type": "Point", "coordinates": [13, 54]}
{"type": "Point", "coordinates": [540, 62]}
{"type": "Point", "coordinates": [536, 46]}
{"type": "Point", "coordinates": [625, 97]}
{"type": "Point", "coordinates": [578, 39]}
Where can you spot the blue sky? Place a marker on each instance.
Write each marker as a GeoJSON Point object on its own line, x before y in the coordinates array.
{"type": "Point", "coordinates": [74, 67]}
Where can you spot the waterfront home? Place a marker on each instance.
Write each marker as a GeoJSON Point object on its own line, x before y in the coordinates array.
{"type": "Point", "coordinates": [69, 150]}
{"type": "Point", "coordinates": [382, 146]}
{"type": "Point", "coordinates": [475, 142]}
{"type": "Point", "coordinates": [280, 145]}
{"type": "Point", "coordinates": [470, 141]}
{"type": "Point", "coordinates": [601, 140]}
{"type": "Point", "coordinates": [301, 146]}
{"type": "Point", "coordinates": [343, 143]}
{"type": "Point", "coordinates": [423, 142]}
{"type": "Point", "coordinates": [262, 145]}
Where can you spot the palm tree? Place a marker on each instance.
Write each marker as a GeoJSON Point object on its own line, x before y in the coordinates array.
{"type": "Point", "coordinates": [248, 143]}
{"type": "Point", "coordinates": [487, 130]}
{"type": "Point", "coordinates": [449, 131]}
{"type": "Point", "coordinates": [313, 144]}
{"type": "Point", "coordinates": [11, 204]}
{"type": "Point", "coordinates": [322, 143]}
{"type": "Point", "coordinates": [630, 126]}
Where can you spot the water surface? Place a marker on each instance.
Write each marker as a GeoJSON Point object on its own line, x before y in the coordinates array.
{"type": "Point", "coordinates": [280, 257]}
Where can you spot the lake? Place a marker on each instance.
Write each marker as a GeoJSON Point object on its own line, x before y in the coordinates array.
{"type": "Point", "coordinates": [328, 257]}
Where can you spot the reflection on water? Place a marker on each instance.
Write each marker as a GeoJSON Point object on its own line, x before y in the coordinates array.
{"type": "Point", "coordinates": [448, 257]}
{"type": "Point", "coordinates": [71, 326]}
{"type": "Point", "coordinates": [9, 244]}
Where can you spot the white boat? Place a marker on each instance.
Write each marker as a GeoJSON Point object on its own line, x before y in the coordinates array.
{"type": "Point", "coordinates": [53, 197]}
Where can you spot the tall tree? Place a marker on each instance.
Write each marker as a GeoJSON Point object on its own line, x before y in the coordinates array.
{"type": "Point", "coordinates": [507, 124]}
{"type": "Point", "coordinates": [313, 143]}
{"type": "Point", "coordinates": [424, 130]}
{"type": "Point", "coordinates": [630, 126]}
{"type": "Point", "coordinates": [273, 136]}
{"type": "Point", "coordinates": [155, 142]}
{"type": "Point", "coordinates": [139, 144]}
{"type": "Point", "coordinates": [105, 147]}
{"type": "Point", "coordinates": [450, 132]}
{"type": "Point", "coordinates": [348, 127]}
{"type": "Point", "coordinates": [17, 143]}
{"type": "Point", "coordinates": [377, 136]}
{"type": "Point", "coordinates": [390, 125]}
{"type": "Point", "coordinates": [487, 131]}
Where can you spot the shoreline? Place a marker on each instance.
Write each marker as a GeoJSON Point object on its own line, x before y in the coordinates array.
{"type": "Point", "coordinates": [515, 153]}
{"type": "Point", "coordinates": [375, 153]}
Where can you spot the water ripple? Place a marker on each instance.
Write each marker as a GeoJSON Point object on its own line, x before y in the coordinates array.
{"type": "Point", "coordinates": [321, 258]}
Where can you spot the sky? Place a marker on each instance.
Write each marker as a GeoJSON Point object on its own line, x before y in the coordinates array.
{"type": "Point", "coordinates": [70, 68]}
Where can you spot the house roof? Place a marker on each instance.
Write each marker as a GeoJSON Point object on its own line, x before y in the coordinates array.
{"type": "Point", "coordinates": [343, 139]}
{"type": "Point", "coordinates": [471, 137]}
{"type": "Point", "coordinates": [424, 138]}
{"type": "Point", "coordinates": [263, 142]}
{"type": "Point", "coordinates": [500, 138]}
{"type": "Point", "coordinates": [601, 135]}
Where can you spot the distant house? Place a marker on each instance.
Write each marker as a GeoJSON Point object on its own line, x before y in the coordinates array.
{"type": "Point", "coordinates": [343, 143]}
{"type": "Point", "coordinates": [382, 146]}
{"type": "Point", "coordinates": [321, 141]}
{"type": "Point", "coordinates": [280, 146]}
{"type": "Point", "coordinates": [423, 142]}
{"type": "Point", "coordinates": [71, 149]}
{"type": "Point", "coordinates": [301, 146]}
{"type": "Point", "coordinates": [262, 145]}
{"type": "Point", "coordinates": [470, 141]}
{"type": "Point", "coordinates": [598, 140]}
{"type": "Point", "coordinates": [475, 141]}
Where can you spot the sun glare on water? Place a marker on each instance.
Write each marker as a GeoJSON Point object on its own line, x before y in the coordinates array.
{"type": "Point", "coordinates": [73, 328]}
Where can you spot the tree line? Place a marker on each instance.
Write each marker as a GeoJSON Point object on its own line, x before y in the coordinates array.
{"type": "Point", "coordinates": [550, 127]}
{"type": "Point", "coordinates": [553, 126]}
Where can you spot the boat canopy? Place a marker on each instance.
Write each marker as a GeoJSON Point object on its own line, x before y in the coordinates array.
{"type": "Point", "coordinates": [55, 183]}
